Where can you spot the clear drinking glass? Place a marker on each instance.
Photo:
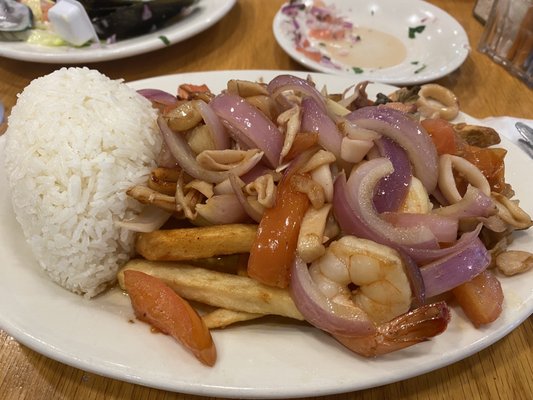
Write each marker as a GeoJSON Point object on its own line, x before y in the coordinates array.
{"type": "Point", "coordinates": [508, 37]}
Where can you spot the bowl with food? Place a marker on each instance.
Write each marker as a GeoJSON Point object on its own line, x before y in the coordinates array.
{"type": "Point", "coordinates": [86, 31]}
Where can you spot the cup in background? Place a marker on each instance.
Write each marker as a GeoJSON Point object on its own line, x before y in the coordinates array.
{"type": "Point", "coordinates": [508, 37]}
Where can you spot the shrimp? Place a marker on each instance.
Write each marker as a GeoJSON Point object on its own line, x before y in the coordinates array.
{"type": "Point", "coordinates": [406, 330]}
{"type": "Point", "coordinates": [383, 290]}
{"type": "Point", "coordinates": [381, 300]}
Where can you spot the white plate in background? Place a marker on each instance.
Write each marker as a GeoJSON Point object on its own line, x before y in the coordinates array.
{"type": "Point", "coordinates": [262, 359]}
{"type": "Point", "coordinates": [206, 13]}
{"type": "Point", "coordinates": [433, 53]}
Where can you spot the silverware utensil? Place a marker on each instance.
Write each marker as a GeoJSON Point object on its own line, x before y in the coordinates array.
{"type": "Point", "coordinates": [525, 131]}
{"type": "Point", "coordinates": [526, 141]}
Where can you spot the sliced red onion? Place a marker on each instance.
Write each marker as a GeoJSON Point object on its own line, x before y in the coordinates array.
{"type": "Point", "coordinates": [315, 119]}
{"type": "Point", "coordinates": [218, 132]}
{"type": "Point", "coordinates": [146, 13]}
{"type": "Point", "coordinates": [181, 151]}
{"type": "Point", "coordinates": [424, 256]}
{"type": "Point", "coordinates": [158, 96]}
{"type": "Point", "coordinates": [351, 212]}
{"type": "Point", "coordinates": [355, 214]}
{"type": "Point", "coordinates": [249, 126]}
{"type": "Point", "coordinates": [444, 228]}
{"type": "Point", "coordinates": [283, 83]}
{"type": "Point", "coordinates": [354, 209]}
{"type": "Point", "coordinates": [392, 190]}
{"type": "Point", "coordinates": [150, 219]}
{"type": "Point", "coordinates": [292, 9]}
{"type": "Point", "coordinates": [252, 212]}
{"type": "Point", "coordinates": [415, 279]}
{"type": "Point", "coordinates": [459, 267]}
{"type": "Point", "coordinates": [165, 158]}
{"type": "Point", "coordinates": [320, 311]}
{"type": "Point", "coordinates": [407, 133]}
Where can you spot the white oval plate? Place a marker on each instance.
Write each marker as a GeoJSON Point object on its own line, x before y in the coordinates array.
{"type": "Point", "coordinates": [437, 51]}
{"type": "Point", "coordinates": [262, 359]}
{"type": "Point", "coordinates": [205, 14]}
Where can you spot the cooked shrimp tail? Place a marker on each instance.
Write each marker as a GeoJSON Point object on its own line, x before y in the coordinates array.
{"type": "Point", "coordinates": [408, 329]}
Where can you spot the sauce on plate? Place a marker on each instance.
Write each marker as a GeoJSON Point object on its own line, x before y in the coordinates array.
{"type": "Point", "coordinates": [371, 49]}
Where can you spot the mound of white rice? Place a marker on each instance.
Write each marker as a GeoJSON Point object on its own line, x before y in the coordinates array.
{"type": "Point", "coordinates": [76, 141]}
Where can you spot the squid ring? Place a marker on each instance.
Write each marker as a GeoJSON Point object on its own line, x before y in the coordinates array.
{"type": "Point", "coordinates": [446, 180]}
{"type": "Point", "coordinates": [436, 101]}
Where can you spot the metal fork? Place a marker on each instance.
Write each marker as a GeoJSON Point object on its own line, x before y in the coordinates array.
{"type": "Point", "coordinates": [526, 141]}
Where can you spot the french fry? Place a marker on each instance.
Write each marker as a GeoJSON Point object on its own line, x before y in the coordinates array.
{"type": "Point", "coordinates": [222, 317]}
{"type": "Point", "coordinates": [218, 289]}
{"type": "Point", "coordinates": [195, 243]}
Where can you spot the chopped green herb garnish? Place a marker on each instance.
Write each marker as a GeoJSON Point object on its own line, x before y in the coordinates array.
{"type": "Point", "coordinates": [357, 70]}
{"type": "Point", "coordinates": [322, 44]}
{"type": "Point", "coordinates": [165, 40]}
{"type": "Point", "coordinates": [415, 30]}
{"type": "Point", "coordinates": [414, 62]}
{"type": "Point", "coordinates": [420, 69]}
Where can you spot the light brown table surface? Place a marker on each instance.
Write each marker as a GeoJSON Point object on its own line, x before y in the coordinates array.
{"type": "Point", "coordinates": [244, 40]}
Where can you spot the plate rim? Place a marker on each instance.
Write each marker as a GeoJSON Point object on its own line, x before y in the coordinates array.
{"type": "Point", "coordinates": [423, 77]}
{"type": "Point", "coordinates": [90, 365]}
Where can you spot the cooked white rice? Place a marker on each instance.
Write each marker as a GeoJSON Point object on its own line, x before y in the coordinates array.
{"type": "Point", "coordinates": [76, 141]}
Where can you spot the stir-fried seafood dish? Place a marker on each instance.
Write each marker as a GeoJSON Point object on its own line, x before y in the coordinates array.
{"type": "Point", "coordinates": [366, 218]}
{"type": "Point", "coordinates": [370, 214]}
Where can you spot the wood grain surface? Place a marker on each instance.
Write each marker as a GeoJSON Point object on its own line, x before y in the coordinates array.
{"type": "Point", "coordinates": [244, 40]}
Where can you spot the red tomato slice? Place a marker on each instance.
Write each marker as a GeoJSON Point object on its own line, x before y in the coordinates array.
{"type": "Point", "coordinates": [302, 142]}
{"type": "Point", "coordinates": [442, 134]}
{"type": "Point", "coordinates": [311, 54]}
{"type": "Point", "coordinates": [327, 33]}
{"type": "Point", "coordinates": [274, 248]}
{"type": "Point", "coordinates": [481, 298]}
{"type": "Point", "coordinates": [321, 33]}
{"type": "Point", "coordinates": [157, 304]}
{"type": "Point", "coordinates": [490, 162]}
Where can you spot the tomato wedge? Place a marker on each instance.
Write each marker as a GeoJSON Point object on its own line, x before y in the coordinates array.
{"type": "Point", "coordinates": [274, 248]}
{"type": "Point", "coordinates": [442, 134]}
{"type": "Point", "coordinates": [302, 142]}
{"type": "Point", "coordinates": [481, 298]}
{"type": "Point", "coordinates": [490, 162]}
{"type": "Point", "coordinates": [157, 304]}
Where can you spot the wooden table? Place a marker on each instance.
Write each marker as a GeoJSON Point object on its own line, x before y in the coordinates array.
{"type": "Point", "coordinates": [244, 40]}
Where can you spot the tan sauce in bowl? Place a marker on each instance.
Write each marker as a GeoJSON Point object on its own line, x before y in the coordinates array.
{"type": "Point", "coordinates": [372, 49]}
